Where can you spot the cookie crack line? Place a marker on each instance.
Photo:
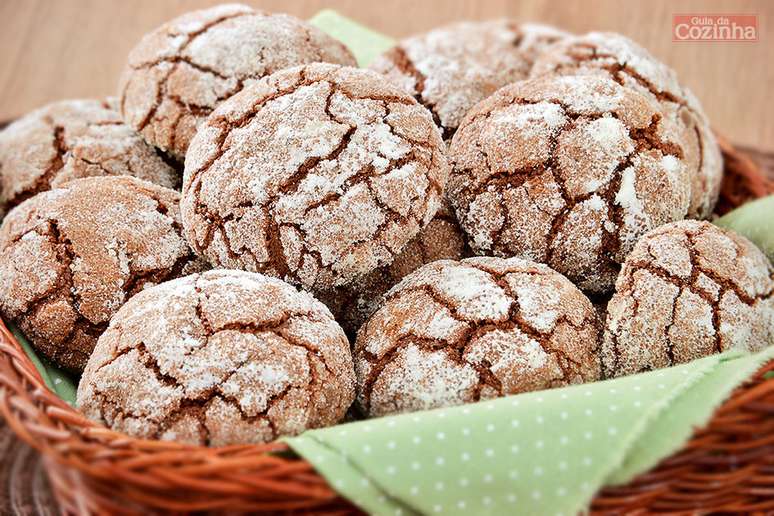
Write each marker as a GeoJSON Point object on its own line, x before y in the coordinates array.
{"type": "Point", "coordinates": [44, 180]}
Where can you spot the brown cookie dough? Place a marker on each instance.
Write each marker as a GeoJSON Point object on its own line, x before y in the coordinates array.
{"type": "Point", "coordinates": [629, 64]}
{"type": "Point", "coordinates": [220, 358]}
{"type": "Point", "coordinates": [567, 171]}
{"type": "Point", "coordinates": [441, 239]}
{"type": "Point", "coordinates": [178, 73]}
{"type": "Point", "coordinates": [457, 332]}
{"type": "Point", "coordinates": [71, 256]}
{"type": "Point", "coordinates": [317, 174]}
{"type": "Point", "coordinates": [451, 69]}
{"type": "Point", "coordinates": [72, 139]}
{"type": "Point", "coordinates": [687, 290]}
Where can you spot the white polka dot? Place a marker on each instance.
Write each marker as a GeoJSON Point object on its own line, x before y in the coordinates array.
{"type": "Point", "coordinates": [439, 461]}
{"type": "Point", "coordinates": [416, 439]}
{"type": "Point", "coordinates": [515, 423]}
{"type": "Point", "coordinates": [536, 495]}
{"type": "Point", "coordinates": [539, 399]}
{"type": "Point", "coordinates": [464, 482]}
{"type": "Point", "coordinates": [366, 449]}
{"type": "Point", "coordinates": [367, 428]}
{"type": "Point", "coordinates": [588, 435]}
{"type": "Point", "coordinates": [415, 466]}
{"type": "Point", "coordinates": [539, 420]}
{"type": "Point", "coordinates": [490, 406]}
{"type": "Point", "coordinates": [513, 474]}
{"type": "Point", "coordinates": [461, 504]}
{"type": "Point", "coordinates": [391, 423]}
{"type": "Point", "coordinates": [564, 439]}
{"type": "Point", "coordinates": [466, 431]}
{"type": "Point", "coordinates": [561, 491]}
{"type": "Point", "coordinates": [416, 419]}
{"type": "Point", "coordinates": [539, 444]}
{"type": "Point", "coordinates": [391, 470]}
{"type": "Point", "coordinates": [437, 508]}
{"type": "Point", "coordinates": [637, 388]}
{"type": "Point", "coordinates": [637, 403]}
{"type": "Point", "coordinates": [661, 386]}
{"type": "Point", "coordinates": [439, 486]}
{"type": "Point", "coordinates": [563, 466]}
{"type": "Point", "coordinates": [466, 411]}
{"type": "Point", "coordinates": [440, 436]}
{"type": "Point", "coordinates": [488, 478]}
{"type": "Point", "coordinates": [587, 461]}
{"type": "Point", "coordinates": [564, 396]}
{"type": "Point", "coordinates": [563, 415]}
{"type": "Point", "coordinates": [364, 482]}
{"type": "Point", "coordinates": [511, 498]}
{"type": "Point", "coordinates": [414, 490]}
{"type": "Point", "coordinates": [612, 391]}
{"type": "Point", "coordinates": [441, 414]}
{"type": "Point", "coordinates": [587, 412]}
{"type": "Point", "coordinates": [585, 486]}
{"type": "Point", "coordinates": [486, 500]}
{"type": "Point", "coordinates": [660, 375]}
{"type": "Point", "coordinates": [489, 452]}
{"type": "Point", "coordinates": [538, 471]}
{"type": "Point", "coordinates": [398, 512]}
{"type": "Point", "coordinates": [490, 428]}
{"type": "Point", "coordinates": [612, 430]}
{"type": "Point", "coordinates": [342, 433]}
{"type": "Point", "coordinates": [391, 445]}
{"type": "Point", "coordinates": [587, 393]}
{"type": "Point", "coordinates": [613, 408]}
{"type": "Point", "coordinates": [465, 456]}
{"type": "Point", "coordinates": [515, 403]}
{"type": "Point", "coordinates": [515, 448]}
{"type": "Point", "coordinates": [339, 483]}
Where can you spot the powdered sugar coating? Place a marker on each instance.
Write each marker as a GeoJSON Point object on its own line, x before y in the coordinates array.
{"type": "Point", "coordinates": [219, 358]}
{"type": "Point", "coordinates": [441, 239]}
{"type": "Point", "coordinates": [178, 73]}
{"type": "Point", "coordinates": [687, 290]}
{"type": "Point", "coordinates": [71, 256]}
{"type": "Point", "coordinates": [317, 174]}
{"type": "Point", "coordinates": [618, 57]}
{"type": "Point", "coordinates": [73, 139]}
{"type": "Point", "coordinates": [452, 68]}
{"type": "Point", "coordinates": [457, 332]}
{"type": "Point", "coordinates": [567, 171]}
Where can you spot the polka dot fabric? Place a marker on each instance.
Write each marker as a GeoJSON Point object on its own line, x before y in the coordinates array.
{"type": "Point", "coordinates": [543, 452]}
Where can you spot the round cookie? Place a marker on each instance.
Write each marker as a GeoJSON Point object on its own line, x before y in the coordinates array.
{"type": "Point", "coordinates": [687, 290]}
{"type": "Point", "coordinates": [71, 256]}
{"type": "Point", "coordinates": [441, 239]}
{"type": "Point", "coordinates": [618, 57]}
{"type": "Point", "coordinates": [457, 332]}
{"type": "Point", "coordinates": [567, 171]}
{"type": "Point", "coordinates": [317, 174]}
{"type": "Point", "coordinates": [452, 68]}
{"type": "Point", "coordinates": [73, 139]}
{"type": "Point", "coordinates": [219, 358]}
{"type": "Point", "coordinates": [178, 73]}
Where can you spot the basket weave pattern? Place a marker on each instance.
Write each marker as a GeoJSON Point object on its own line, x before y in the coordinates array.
{"type": "Point", "coordinates": [728, 466]}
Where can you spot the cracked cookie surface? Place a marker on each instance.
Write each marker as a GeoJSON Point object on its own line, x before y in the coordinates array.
{"type": "Point", "coordinates": [317, 175]}
{"type": "Point", "coordinates": [219, 358]}
{"type": "Point", "coordinates": [617, 57]}
{"type": "Point", "coordinates": [441, 239]}
{"type": "Point", "coordinates": [178, 73]}
{"type": "Point", "coordinates": [458, 332]}
{"type": "Point", "coordinates": [688, 289]}
{"type": "Point", "coordinates": [69, 140]}
{"type": "Point", "coordinates": [567, 171]}
{"type": "Point", "coordinates": [451, 69]}
{"type": "Point", "coordinates": [71, 256]}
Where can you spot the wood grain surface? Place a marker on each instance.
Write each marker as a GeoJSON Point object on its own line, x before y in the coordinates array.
{"type": "Point", "coordinates": [54, 49]}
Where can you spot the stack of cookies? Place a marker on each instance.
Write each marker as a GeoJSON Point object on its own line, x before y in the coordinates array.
{"type": "Point", "coordinates": [256, 234]}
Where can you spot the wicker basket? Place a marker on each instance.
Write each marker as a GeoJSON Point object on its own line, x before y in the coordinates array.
{"type": "Point", "coordinates": [726, 467]}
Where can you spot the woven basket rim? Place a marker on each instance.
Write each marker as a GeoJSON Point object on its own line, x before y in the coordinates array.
{"type": "Point", "coordinates": [71, 442]}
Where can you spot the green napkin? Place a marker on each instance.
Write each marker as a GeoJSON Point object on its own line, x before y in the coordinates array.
{"type": "Point", "coordinates": [755, 220]}
{"type": "Point", "coordinates": [59, 381]}
{"type": "Point", "coordinates": [364, 43]}
{"type": "Point", "coordinates": [545, 452]}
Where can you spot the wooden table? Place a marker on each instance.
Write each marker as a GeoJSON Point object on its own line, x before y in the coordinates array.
{"type": "Point", "coordinates": [54, 49]}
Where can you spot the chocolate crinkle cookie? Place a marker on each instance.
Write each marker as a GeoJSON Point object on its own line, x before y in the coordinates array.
{"type": "Point", "coordinates": [178, 73]}
{"type": "Point", "coordinates": [458, 332]}
{"type": "Point", "coordinates": [441, 239]}
{"type": "Point", "coordinates": [71, 256]}
{"type": "Point", "coordinates": [219, 358]}
{"type": "Point", "coordinates": [687, 290]}
{"type": "Point", "coordinates": [615, 56]}
{"type": "Point", "coordinates": [568, 171]}
{"type": "Point", "coordinates": [317, 174]}
{"type": "Point", "coordinates": [451, 69]}
{"type": "Point", "coordinates": [73, 139]}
